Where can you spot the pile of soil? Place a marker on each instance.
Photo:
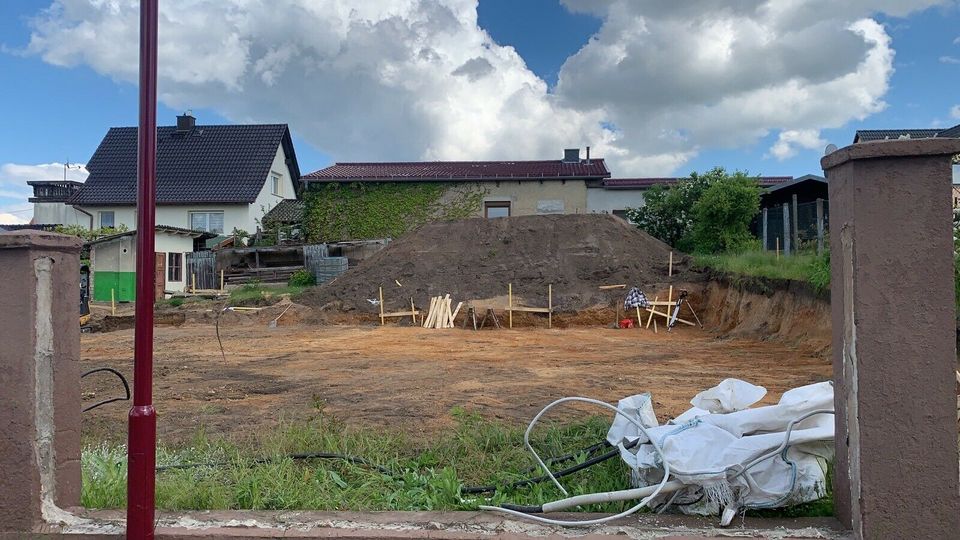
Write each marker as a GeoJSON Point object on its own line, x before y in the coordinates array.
{"type": "Point", "coordinates": [473, 260]}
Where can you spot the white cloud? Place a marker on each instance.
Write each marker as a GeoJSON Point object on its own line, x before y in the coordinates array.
{"type": "Point", "coordinates": [790, 141]}
{"type": "Point", "coordinates": [419, 79]}
{"type": "Point", "coordinates": [949, 60]}
{"type": "Point", "coordinates": [955, 112]}
{"type": "Point", "coordinates": [14, 191]}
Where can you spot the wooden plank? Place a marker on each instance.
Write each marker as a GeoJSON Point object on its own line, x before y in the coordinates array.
{"type": "Point", "coordinates": [655, 312]}
{"type": "Point", "coordinates": [550, 305]}
{"type": "Point", "coordinates": [608, 287]}
{"type": "Point", "coordinates": [639, 320]}
{"type": "Point", "coordinates": [510, 302]}
{"type": "Point", "coordinates": [445, 313]}
{"type": "Point", "coordinates": [649, 319]}
{"type": "Point", "coordinates": [413, 311]}
{"type": "Point", "coordinates": [453, 317]}
{"type": "Point", "coordinates": [426, 321]}
{"type": "Point", "coordinates": [531, 309]}
{"type": "Point", "coordinates": [400, 313]}
{"type": "Point", "coordinates": [381, 305]}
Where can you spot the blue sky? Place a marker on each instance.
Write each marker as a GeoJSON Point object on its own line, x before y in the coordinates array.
{"type": "Point", "coordinates": [59, 101]}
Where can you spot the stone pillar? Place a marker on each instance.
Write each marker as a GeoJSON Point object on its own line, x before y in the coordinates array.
{"type": "Point", "coordinates": [39, 377]}
{"type": "Point", "coordinates": [894, 352]}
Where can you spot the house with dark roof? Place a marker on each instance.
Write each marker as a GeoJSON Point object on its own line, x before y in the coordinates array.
{"type": "Point", "coordinates": [616, 195]}
{"type": "Point", "coordinates": [868, 135]}
{"type": "Point", "coordinates": [511, 188]}
{"type": "Point", "coordinates": [211, 178]}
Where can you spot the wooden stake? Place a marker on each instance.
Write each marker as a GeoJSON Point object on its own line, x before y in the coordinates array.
{"type": "Point", "coordinates": [669, 300]}
{"type": "Point", "coordinates": [608, 287]}
{"type": "Point", "coordinates": [510, 303]}
{"type": "Point", "coordinates": [655, 331]}
{"type": "Point", "coordinates": [650, 319]}
{"type": "Point", "coordinates": [381, 305]}
{"type": "Point", "coordinates": [193, 277]}
{"type": "Point", "coordinates": [550, 305]}
{"type": "Point", "coordinates": [778, 247]}
{"type": "Point", "coordinates": [639, 322]}
{"type": "Point", "coordinates": [670, 272]}
{"type": "Point", "coordinates": [413, 311]}
{"type": "Point", "coordinates": [113, 304]}
{"type": "Point", "coordinates": [453, 317]}
{"type": "Point", "coordinates": [221, 279]}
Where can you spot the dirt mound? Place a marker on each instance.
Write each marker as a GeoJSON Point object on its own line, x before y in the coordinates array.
{"type": "Point", "coordinates": [474, 259]}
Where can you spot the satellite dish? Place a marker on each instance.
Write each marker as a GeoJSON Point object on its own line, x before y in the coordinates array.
{"type": "Point", "coordinates": [831, 148]}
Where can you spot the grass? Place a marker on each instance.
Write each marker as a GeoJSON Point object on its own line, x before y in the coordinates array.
{"type": "Point", "coordinates": [428, 475]}
{"type": "Point", "coordinates": [257, 293]}
{"type": "Point", "coordinates": [807, 267]}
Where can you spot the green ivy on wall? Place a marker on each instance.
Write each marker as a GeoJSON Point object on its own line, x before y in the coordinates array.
{"type": "Point", "coordinates": [360, 211]}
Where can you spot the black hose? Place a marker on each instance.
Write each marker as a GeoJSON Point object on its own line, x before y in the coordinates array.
{"type": "Point", "coordinates": [522, 508]}
{"type": "Point", "coordinates": [222, 353]}
{"type": "Point", "coordinates": [126, 387]}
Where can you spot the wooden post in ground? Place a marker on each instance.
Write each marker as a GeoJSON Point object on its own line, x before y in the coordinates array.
{"type": "Point", "coordinates": [669, 301]}
{"type": "Point", "coordinates": [639, 322]}
{"type": "Point", "coordinates": [550, 305]}
{"type": "Point", "coordinates": [413, 311]}
{"type": "Point", "coordinates": [193, 282]}
{"type": "Point", "coordinates": [650, 319]}
{"type": "Point", "coordinates": [778, 247]}
{"type": "Point", "coordinates": [221, 279]}
{"type": "Point", "coordinates": [113, 304]}
{"type": "Point", "coordinates": [510, 303]}
{"type": "Point", "coordinates": [381, 305]}
{"type": "Point", "coordinates": [670, 271]}
{"type": "Point", "coordinates": [819, 226]}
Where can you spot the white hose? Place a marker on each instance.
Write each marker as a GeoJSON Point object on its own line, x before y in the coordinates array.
{"type": "Point", "coordinates": [649, 492]}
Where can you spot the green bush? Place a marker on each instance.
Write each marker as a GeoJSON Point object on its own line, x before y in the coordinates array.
{"type": "Point", "coordinates": [707, 213]}
{"type": "Point", "coordinates": [723, 213]}
{"type": "Point", "coordinates": [302, 278]}
{"type": "Point", "coordinates": [175, 302]}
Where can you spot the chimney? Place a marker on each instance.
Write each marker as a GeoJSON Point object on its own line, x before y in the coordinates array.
{"type": "Point", "coordinates": [588, 155]}
{"type": "Point", "coordinates": [186, 122]}
{"type": "Point", "coordinates": [571, 155]}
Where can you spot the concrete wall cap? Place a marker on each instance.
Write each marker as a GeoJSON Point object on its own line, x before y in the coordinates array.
{"type": "Point", "coordinates": [29, 238]}
{"type": "Point", "coordinates": [891, 149]}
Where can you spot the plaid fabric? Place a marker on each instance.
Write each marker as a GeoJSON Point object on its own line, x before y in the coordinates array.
{"type": "Point", "coordinates": [635, 298]}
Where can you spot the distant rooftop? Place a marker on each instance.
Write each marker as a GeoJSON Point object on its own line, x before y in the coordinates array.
{"type": "Point", "coordinates": [644, 183]}
{"type": "Point", "coordinates": [594, 168]}
{"type": "Point", "coordinates": [866, 135]}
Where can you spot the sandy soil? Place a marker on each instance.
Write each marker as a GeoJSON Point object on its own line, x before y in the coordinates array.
{"type": "Point", "coordinates": [410, 378]}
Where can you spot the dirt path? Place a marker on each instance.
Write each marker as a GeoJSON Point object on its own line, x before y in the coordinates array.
{"type": "Point", "coordinates": [410, 378]}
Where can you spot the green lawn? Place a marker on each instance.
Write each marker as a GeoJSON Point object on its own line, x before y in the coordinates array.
{"type": "Point", "coordinates": [424, 473]}
{"type": "Point", "coordinates": [806, 267]}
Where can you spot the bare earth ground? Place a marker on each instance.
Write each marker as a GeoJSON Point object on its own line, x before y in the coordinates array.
{"type": "Point", "coordinates": [410, 378]}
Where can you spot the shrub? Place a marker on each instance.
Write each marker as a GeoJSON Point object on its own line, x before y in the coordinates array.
{"type": "Point", "coordinates": [175, 302]}
{"type": "Point", "coordinates": [722, 215]}
{"type": "Point", "coordinates": [302, 278]}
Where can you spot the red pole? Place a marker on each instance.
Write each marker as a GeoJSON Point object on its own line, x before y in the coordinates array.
{"type": "Point", "coordinates": [142, 436]}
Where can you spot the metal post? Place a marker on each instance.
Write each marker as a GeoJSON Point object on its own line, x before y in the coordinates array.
{"type": "Point", "coordinates": [796, 228]}
{"type": "Point", "coordinates": [786, 229]}
{"type": "Point", "coordinates": [764, 229]}
{"type": "Point", "coordinates": [142, 436]}
{"type": "Point", "coordinates": [819, 226]}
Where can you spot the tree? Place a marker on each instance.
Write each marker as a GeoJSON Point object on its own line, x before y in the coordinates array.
{"type": "Point", "coordinates": [669, 213]}
{"type": "Point", "coordinates": [722, 215]}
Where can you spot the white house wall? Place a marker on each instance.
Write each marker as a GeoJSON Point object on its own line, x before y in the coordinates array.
{"type": "Point", "coordinates": [58, 213]}
{"type": "Point", "coordinates": [605, 201]}
{"type": "Point", "coordinates": [266, 199]}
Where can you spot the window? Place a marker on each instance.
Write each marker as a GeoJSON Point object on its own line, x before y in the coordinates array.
{"type": "Point", "coordinates": [107, 219]}
{"type": "Point", "coordinates": [495, 209]}
{"type": "Point", "coordinates": [174, 266]}
{"type": "Point", "coordinates": [276, 183]}
{"type": "Point", "coordinates": [207, 221]}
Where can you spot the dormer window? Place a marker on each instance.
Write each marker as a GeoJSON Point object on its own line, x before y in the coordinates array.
{"type": "Point", "coordinates": [276, 184]}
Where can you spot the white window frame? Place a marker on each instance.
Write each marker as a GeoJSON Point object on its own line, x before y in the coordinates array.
{"type": "Point", "coordinates": [207, 213]}
{"type": "Point", "coordinates": [113, 216]}
{"type": "Point", "coordinates": [276, 183]}
{"type": "Point", "coordinates": [487, 205]}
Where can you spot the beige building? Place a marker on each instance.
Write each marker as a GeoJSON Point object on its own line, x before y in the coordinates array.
{"type": "Point", "coordinates": [510, 188]}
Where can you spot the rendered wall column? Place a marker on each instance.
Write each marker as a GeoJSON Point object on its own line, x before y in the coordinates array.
{"type": "Point", "coordinates": [39, 378]}
{"type": "Point", "coordinates": [892, 301]}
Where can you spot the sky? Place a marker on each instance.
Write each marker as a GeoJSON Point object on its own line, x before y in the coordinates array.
{"type": "Point", "coordinates": [657, 88]}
